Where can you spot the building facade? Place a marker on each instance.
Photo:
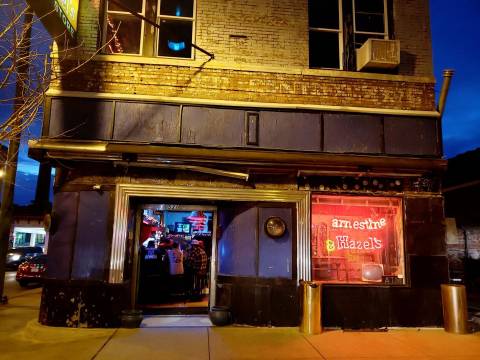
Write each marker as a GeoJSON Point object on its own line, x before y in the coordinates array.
{"type": "Point", "coordinates": [292, 140]}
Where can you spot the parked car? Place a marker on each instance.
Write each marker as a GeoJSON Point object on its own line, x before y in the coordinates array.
{"type": "Point", "coordinates": [18, 255]}
{"type": "Point", "coordinates": [32, 270]}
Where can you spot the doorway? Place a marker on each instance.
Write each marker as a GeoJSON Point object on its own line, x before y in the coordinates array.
{"type": "Point", "coordinates": [175, 258]}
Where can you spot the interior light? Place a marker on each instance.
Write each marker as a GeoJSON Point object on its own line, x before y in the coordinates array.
{"type": "Point", "coordinates": [176, 46]}
{"type": "Point", "coordinates": [178, 11]}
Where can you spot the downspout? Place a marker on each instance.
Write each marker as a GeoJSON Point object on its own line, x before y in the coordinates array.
{"type": "Point", "coordinates": [442, 100]}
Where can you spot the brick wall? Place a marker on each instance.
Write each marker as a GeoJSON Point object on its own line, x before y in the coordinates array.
{"type": "Point", "coordinates": [89, 24]}
{"type": "Point", "coordinates": [189, 82]}
{"type": "Point", "coordinates": [267, 63]}
{"type": "Point", "coordinates": [274, 32]}
{"type": "Point", "coordinates": [412, 28]}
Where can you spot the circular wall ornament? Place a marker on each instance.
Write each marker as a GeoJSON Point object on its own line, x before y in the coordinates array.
{"type": "Point", "coordinates": [275, 227]}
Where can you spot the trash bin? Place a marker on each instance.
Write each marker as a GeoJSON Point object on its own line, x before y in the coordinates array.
{"type": "Point", "coordinates": [455, 315]}
{"type": "Point", "coordinates": [311, 308]}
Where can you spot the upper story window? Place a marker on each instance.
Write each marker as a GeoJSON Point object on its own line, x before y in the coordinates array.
{"type": "Point", "coordinates": [369, 20]}
{"type": "Point", "coordinates": [130, 34]}
{"type": "Point", "coordinates": [338, 27]}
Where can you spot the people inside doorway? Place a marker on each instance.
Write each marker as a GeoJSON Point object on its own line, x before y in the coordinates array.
{"type": "Point", "coordinates": [196, 266]}
{"type": "Point", "coordinates": [175, 259]}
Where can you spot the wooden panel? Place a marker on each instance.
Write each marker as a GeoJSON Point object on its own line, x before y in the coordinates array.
{"type": "Point", "coordinates": [351, 307]}
{"type": "Point", "coordinates": [81, 119]}
{"type": "Point", "coordinates": [146, 122]}
{"type": "Point", "coordinates": [412, 136]}
{"type": "Point", "coordinates": [212, 126]}
{"type": "Point", "coordinates": [346, 133]}
{"type": "Point", "coordinates": [290, 131]}
{"type": "Point", "coordinates": [237, 246]}
{"type": "Point", "coordinates": [62, 235]}
{"type": "Point", "coordinates": [92, 241]}
{"type": "Point", "coordinates": [275, 255]}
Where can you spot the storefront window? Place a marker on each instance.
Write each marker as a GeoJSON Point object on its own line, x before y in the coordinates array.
{"type": "Point", "coordinates": [357, 239]}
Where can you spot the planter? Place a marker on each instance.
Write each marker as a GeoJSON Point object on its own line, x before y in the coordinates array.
{"type": "Point", "coordinates": [131, 318]}
{"type": "Point", "coordinates": [220, 315]}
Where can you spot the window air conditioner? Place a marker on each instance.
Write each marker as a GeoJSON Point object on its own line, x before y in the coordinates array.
{"type": "Point", "coordinates": [378, 54]}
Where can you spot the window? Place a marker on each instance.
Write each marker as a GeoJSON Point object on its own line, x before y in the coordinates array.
{"type": "Point", "coordinates": [325, 33]}
{"type": "Point", "coordinates": [369, 20]}
{"type": "Point", "coordinates": [357, 239]}
{"type": "Point", "coordinates": [135, 36]}
{"type": "Point", "coordinates": [338, 27]}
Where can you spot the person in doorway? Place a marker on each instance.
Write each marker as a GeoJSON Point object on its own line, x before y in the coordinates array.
{"type": "Point", "coordinates": [175, 259]}
{"type": "Point", "coordinates": [196, 263]}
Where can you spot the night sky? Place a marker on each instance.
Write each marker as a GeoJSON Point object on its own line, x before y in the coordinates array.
{"type": "Point", "coordinates": [456, 45]}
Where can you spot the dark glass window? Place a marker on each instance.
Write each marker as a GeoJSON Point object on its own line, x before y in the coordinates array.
{"type": "Point", "coordinates": [369, 18]}
{"type": "Point", "coordinates": [175, 38]}
{"type": "Point", "coordinates": [323, 14]}
{"type": "Point", "coordinates": [324, 33]}
{"type": "Point", "coordinates": [182, 8]}
{"type": "Point", "coordinates": [370, 6]}
{"type": "Point", "coordinates": [324, 51]}
{"type": "Point", "coordinates": [135, 5]}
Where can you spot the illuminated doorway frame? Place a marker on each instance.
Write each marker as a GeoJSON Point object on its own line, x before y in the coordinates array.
{"type": "Point", "coordinates": [124, 192]}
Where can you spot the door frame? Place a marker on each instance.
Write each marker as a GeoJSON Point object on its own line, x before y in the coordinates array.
{"type": "Point", "coordinates": [124, 193]}
{"type": "Point", "coordinates": [175, 207]}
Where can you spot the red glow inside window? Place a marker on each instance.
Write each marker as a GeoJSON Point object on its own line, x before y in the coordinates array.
{"type": "Point", "coordinates": [357, 239]}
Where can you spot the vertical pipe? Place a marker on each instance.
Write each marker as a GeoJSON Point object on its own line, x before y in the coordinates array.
{"type": "Point", "coordinates": [447, 77]}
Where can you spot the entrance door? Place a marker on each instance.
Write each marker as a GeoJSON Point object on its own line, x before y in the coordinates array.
{"type": "Point", "coordinates": [175, 248]}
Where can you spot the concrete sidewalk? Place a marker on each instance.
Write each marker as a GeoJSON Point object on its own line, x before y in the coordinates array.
{"type": "Point", "coordinates": [21, 337]}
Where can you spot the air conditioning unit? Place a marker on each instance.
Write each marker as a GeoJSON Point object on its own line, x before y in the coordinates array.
{"type": "Point", "coordinates": [378, 54]}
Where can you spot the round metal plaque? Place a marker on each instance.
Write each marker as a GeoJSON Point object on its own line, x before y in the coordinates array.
{"type": "Point", "coordinates": [275, 227]}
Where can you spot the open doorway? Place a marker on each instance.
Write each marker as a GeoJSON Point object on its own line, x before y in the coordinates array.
{"type": "Point", "coordinates": [176, 245]}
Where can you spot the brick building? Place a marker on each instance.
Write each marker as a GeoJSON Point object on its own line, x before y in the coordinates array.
{"type": "Point", "coordinates": [293, 139]}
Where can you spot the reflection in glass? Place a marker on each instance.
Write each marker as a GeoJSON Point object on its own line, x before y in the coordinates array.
{"type": "Point", "coordinates": [175, 38]}
{"type": "Point", "coordinates": [182, 8]}
{"type": "Point", "coordinates": [127, 39]}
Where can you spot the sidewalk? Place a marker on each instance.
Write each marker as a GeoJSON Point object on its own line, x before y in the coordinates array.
{"type": "Point", "coordinates": [21, 337]}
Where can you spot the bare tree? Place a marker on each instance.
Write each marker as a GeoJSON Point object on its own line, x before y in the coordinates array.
{"type": "Point", "coordinates": [27, 67]}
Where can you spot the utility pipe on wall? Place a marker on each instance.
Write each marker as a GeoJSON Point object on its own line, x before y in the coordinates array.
{"type": "Point", "coordinates": [442, 99]}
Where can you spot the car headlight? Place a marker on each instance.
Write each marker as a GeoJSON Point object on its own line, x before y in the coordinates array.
{"type": "Point", "coordinates": [14, 257]}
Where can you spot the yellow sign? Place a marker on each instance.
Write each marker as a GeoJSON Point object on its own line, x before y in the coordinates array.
{"type": "Point", "coordinates": [68, 12]}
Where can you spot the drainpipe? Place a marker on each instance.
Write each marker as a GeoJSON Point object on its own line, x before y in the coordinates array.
{"type": "Point", "coordinates": [442, 99]}
{"type": "Point", "coordinates": [447, 78]}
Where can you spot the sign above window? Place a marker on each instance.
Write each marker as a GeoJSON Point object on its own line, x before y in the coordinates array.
{"type": "Point", "coordinates": [58, 16]}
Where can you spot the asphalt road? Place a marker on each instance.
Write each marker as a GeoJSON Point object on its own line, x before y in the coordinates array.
{"type": "Point", "coordinates": [14, 290]}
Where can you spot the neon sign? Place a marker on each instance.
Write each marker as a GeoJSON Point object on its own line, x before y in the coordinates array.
{"type": "Point", "coordinates": [345, 242]}
{"type": "Point", "coordinates": [367, 224]}
{"type": "Point", "coordinates": [356, 238]}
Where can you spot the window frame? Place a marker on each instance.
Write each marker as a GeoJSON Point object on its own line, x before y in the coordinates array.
{"type": "Point", "coordinates": [385, 33]}
{"type": "Point", "coordinates": [339, 31]}
{"type": "Point", "coordinates": [400, 241]}
{"type": "Point", "coordinates": [158, 17]}
{"type": "Point", "coordinates": [125, 13]}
